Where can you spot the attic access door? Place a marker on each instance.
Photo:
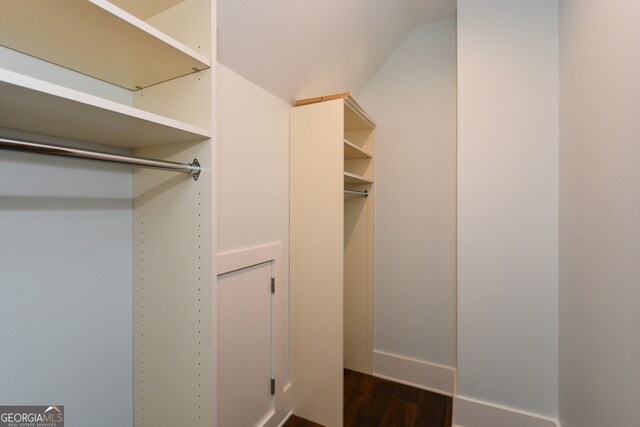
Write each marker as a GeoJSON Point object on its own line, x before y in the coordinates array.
{"type": "Point", "coordinates": [245, 346]}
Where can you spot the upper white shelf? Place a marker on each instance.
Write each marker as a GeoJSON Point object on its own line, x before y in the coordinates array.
{"type": "Point", "coordinates": [355, 118]}
{"type": "Point", "coordinates": [144, 9]}
{"type": "Point", "coordinates": [96, 38]}
{"type": "Point", "coordinates": [352, 151]}
{"type": "Point", "coordinates": [35, 106]}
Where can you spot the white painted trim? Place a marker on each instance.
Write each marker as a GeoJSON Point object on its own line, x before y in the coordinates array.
{"type": "Point", "coordinates": [285, 419]}
{"type": "Point", "coordinates": [468, 412]}
{"type": "Point", "coordinates": [456, 425]}
{"type": "Point", "coordinates": [414, 372]}
{"type": "Point", "coordinates": [243, 258]}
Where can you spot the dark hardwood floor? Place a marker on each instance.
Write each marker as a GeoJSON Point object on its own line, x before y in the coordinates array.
{"type": "Point", "coordinates": [374, 402]}
{"type": "Point", "coordinates": [295, 421]}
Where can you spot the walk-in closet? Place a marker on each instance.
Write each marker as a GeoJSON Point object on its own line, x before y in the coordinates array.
{"type": "Point", "coordinates": [249, 213]}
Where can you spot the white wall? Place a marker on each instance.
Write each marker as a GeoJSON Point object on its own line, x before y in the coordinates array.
{"type": "Point", "coordinates": [66, 286]}
{"type": "Point", "coordinates": [600, 213]}
{"type": "Point", "coordinates": [413, 100]}
{"type": "Point", "coordinates": [253, 164]}
{"type": "Point", "coordinates": [66, 271]}
{"type": "Point", "coordinates": [508, 203]}
{"type": "Point", "coordinates": [253, 173]}
{"type": "Point", "coordinates": [30, 66]}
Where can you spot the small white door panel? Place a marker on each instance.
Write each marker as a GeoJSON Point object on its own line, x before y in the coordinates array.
{"type": "Point", "coordinates": [245, 338]}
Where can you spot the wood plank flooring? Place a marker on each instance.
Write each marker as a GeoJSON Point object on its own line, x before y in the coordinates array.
{"type": "Point", "coordinates": [295, 421]}
{"type": "Point", "coordinates": [374, 402]}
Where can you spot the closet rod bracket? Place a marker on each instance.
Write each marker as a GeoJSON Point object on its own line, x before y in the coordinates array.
{"type": "Point", "coordinates": [195, 169]}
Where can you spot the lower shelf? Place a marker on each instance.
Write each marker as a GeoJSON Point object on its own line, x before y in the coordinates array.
{"type": "Point", "coordinates": [351, 178]}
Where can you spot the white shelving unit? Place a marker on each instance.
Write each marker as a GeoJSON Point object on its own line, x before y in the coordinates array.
{"type": "Point", "coordinates": [36, 106]}
{"type": "Point", "coordinates": [162, 51]}
{"type": "Point", "coordinates": [358, 234]}
{"type": "Point", "coordinates": [332, 146]}
{"type": "Point", "coordinates": [99, 39]}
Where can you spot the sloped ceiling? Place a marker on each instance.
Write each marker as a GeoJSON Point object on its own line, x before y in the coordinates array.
{"type": "Point", "coordinates": [305, 48]}
{"type": "Point", "coordinates": [424, 11]}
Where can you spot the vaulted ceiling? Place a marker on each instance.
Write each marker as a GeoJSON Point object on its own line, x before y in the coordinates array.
{"type": "Point", "coordinates": [296, 48]}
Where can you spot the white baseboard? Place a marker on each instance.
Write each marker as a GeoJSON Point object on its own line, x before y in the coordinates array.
{"type": "Point", "coordinates": [472, 413]}
{"type": "Point", "coordinates": [467, 412]}
{"type": "Point", "coordinates": [413, 372]}
{"type": "Point", "coordinates": [286, 418]}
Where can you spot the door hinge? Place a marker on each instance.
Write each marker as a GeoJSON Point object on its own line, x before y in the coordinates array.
{"type": "Point", "coordinates": [273, 386]}
{"type": "Point", "coordinates": [273, 285]}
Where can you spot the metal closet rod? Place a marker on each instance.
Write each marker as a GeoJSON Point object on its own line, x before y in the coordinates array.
{"type": "Point", "coordinates": [364, 193]}
{"type": "Point", "coordinates": [192, 169]}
